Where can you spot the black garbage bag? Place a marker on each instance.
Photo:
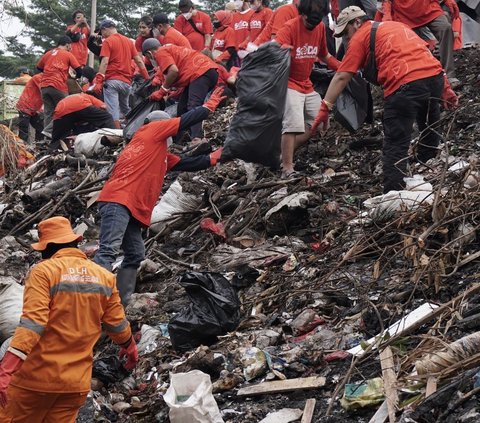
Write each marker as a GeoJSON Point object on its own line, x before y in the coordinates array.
{"type": "Point", "coordinates": [109, 370]}
{"type": "Point", "coordinates": [256, 128]}
{"type": "Point", "coordinates": [214, 311]}
{"type": "Point", "coordinates": [141, 90]}
{"type": "Point", "coordinates": [136, 116]}
{"type": "Point", "coordinates": [321, 77]}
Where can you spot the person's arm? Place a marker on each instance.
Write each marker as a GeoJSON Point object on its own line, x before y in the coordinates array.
{"type": "Point", "coordinates": [171, 76]}
{"type": "Point", "coordinates": [141, 65]}
{"type": "Point", "coordinates": [337, 85]}
{"type": "Point", "coordinates": [103, 65]}
{"type": "Point", "coordinates": [93, 46]}
{"type": "Point", "coordinates": [208, 41]}
{"type": "Point", "coordinates": [74, 36]}
{"type": "Point", "coordinates": [332, 62]}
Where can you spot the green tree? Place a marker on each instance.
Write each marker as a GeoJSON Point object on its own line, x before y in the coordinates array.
{"type": "Point", "coordinates": [19, 56]}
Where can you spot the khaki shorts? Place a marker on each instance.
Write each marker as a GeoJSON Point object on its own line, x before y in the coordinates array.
{"type": "Point", "coordinates": [300, 110]}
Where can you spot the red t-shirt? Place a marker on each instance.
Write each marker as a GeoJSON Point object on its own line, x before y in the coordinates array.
{"type": "Point", "coordinates": [139, 42]}
{"type": "Point", "coordinates": [223, 38]}
{"type": "Point", "coordinates": [202, 22]}
{"type": "Point", "coordinates": [240, 24]}
{"type": "Point", "coordinates": [55, 64]}
{"type": "Point", "coordinates": [308, 46]}
{"type": "Point", "coordinates": [401, 55]}
{"type": "Point", "coordinates": [137, 177]}
{"type": "Point", "coordinates": [120, 51]}
{"type": "Point", "coordinates": [258, 21]}
{"type": "Point", "coordinates": [74, 103]}
{"type": "Point", "coordinates": [79, 48]}
{"type": "Point", "coordinates": [175, 37]}
{"type": "Point", "coordinates": [191, 64]}
{"type": "Point", "coordinates": [415, 13]}
{"type": "Point", "coordinates": [280, 17]}
{"type": "Point", "coordinates": [30, 102]}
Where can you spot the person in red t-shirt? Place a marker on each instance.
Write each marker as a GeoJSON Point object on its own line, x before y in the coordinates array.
{"type": "Point", "coordinates": [240, 25]}
{"type": "Point", "coordinates": [306, 37]}
{"type": "Point", "coordinates": [168, 34]}
{"type": "Point", "coordinates": [80, 112]}
{"type": "Point", "coordinates": [115, 72]}
{"type": "Point", "coordinates": [224, 43]}
{"type": "Point", "coordinates": [195, 25]}
{"type": "Point", "coordinates": [55, 65]}
{"type": "Point", "coordinates": [258, 20]}
{"type": "Point", "coordinates": [413, 82]}
{"type": "Point", "coordinates": [79, 33]}
{"type": "Point", "coordinates": [182, 68]}
{"type": "Point", "coordinates": [145, 31]}
{"type": "Point", "coordinates": [29, 106]}
{"type": "Point", "coordinates": [280, 17]}
{"type": "Point", "coordinates": [127, 200]}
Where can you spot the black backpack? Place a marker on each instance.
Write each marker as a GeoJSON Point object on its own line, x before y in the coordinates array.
{"type": "Point", "coordinates": [370, 71]}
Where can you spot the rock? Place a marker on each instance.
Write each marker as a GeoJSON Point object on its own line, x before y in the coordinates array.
{"type": "Point", "coordinates": [284, 415]}
{"type": "Point", "coordinates": [266, 338]}
{"type": "Point", "coordinates": [227, 381]}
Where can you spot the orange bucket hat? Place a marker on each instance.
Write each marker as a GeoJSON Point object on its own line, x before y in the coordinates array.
{"type": "Point", "coordinates": [56, 230]}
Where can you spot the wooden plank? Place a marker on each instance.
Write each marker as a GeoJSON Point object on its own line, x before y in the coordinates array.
{"type": "Point", "coordinates": [381, 415]}
{"type": "Point", "coordinates": [308, 410]}
{"type": "Point", "coordinates": [389, 382]}
{"type": "Point", "coordinates": [283, 386]}
{"type": "Point", "coordinates": [431, 386]}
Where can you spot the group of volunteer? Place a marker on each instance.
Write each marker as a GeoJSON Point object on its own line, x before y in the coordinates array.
{"type": "Point", "coordinates": [45, 374]}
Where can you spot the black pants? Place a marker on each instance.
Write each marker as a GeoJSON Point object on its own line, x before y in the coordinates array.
{"type": "Point", "coordinates": [95, 116]}
{"type": "Point", "coordinates": [50, 97]}
{"type": "Point", "coordinates": [418, 101]}
{"type": "Point", "coordinates": [24, 122]}
{"type": "Point", "coordinates": [194, 95]}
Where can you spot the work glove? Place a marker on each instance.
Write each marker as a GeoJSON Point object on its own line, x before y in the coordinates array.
{"type": "Point", "coordinates": [131, 352]}
{"type": "Point", "coordinates": [9, 365]}
{"type": "Point", "coordinates": [157, 80]}
{"type": "Point", "coordinates": [98, 84]}
{"type": "Point", "coordinates": [449, 98]}
{"type": "Point", "coordinates": [159, 94]}
{"type": "Point", "coordinates": [387, 11]}
{"type": "Point", "coordinates": [144, 73]}
{"type": "Point", "coordinates": [215, 99]}
{"type": "Point", "coordinates": [321, 119]}
{"type": "Point", "coordinates": [453, 8]}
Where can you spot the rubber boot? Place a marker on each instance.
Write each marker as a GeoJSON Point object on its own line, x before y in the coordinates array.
{"type": "Point", "coordinates": [126, 280]}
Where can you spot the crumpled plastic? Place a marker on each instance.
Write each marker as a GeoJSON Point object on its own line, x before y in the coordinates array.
{"type": "Point", "coordinates": [208, 225]}
{"type": "Point", "coordinates": [359, 395]}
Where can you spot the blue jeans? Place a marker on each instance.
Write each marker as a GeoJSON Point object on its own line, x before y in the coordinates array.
{"type": "Point", "coordinates": [119, 231]}
{"type": "Point", "coordinates": [115, 95]}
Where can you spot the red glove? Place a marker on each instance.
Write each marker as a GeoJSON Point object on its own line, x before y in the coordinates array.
{"type": "Point", "coordinates": [10, 364]}
{"type": "Point", "coordinates": [144, 73]}
{"type": "Point", "coordinates": [131, 352]}
{"type": "Point", "coordinates": [449, 98]}
{"type": "Point", "coordinates": [322, 118]}
{"type": "Point", "coordinates": [98, 83]}
{"type": "Point", "coordinates": [333, 63]}
{"type": "Point", "coordinates": [453, 8]}
{"type": "Point", "coordinates": [387, 11]}
{"type": "Point", "coordinates": [159, 94]}
{"type": "Point", "coordinates": [157, 80]}
{"type": "Point", "coordinates": [215, 99]}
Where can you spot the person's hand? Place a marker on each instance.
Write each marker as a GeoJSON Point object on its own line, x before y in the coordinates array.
{"type": "Point", "coordinates": [321, 119]}
{"type": "Point", "coordinates": [98, 83]}
{"type": "Point", "coordinates": [453, 8]}
{"type": "Point", "coordinates": [215, 99]}
{"type": "Point", "coordinates": [157, 80]}
{"type": "Point", "coordinates": [10, 364]}
{"type": "Point", "coordinates": [449, 98]}
{"type": "Point", "coordinates": [131, 353]}
{"type": "Point", "coordinates": [387, 11]}
{"type": "Point", "coordinates": [159, 94]}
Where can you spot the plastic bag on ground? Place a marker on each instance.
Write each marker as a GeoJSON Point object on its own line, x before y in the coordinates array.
{"type": "Point", "coordinates": [137, 116]}
{"type": "Point", "coordinates": [190, 399]}
{"type": "Point", "coordinates": [214, 311]}
{"type": "Point", "coordinates": [4, 347]}
{"type": "Point", "coordinates": [256, 128]}
{"type": "Point", "coordinates": [11, 303]}
{"type": "Point", "coordinates": [89, 143]}
{"type": "Point", "coordinates": [359, 395]}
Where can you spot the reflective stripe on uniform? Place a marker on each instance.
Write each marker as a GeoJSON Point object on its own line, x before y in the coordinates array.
{"type": "Point", "coordinates": [81, 288]}
{"type": "Point", "coordinates": [116, 328]}
{"type": "Point", "coordinates": [33, 326]}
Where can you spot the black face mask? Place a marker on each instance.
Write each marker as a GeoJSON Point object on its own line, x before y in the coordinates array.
{"type": "Point", "coordinates": [217, 24]}
{"type": "Point", "coordinates": [314, 20]}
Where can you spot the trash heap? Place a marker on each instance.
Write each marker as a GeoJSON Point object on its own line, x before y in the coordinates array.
{"type": "Point", "coordinates": [314, 299]}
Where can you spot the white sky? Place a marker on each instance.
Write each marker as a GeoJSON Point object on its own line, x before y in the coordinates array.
{"type": "Point", "coordinates": [10, 26]}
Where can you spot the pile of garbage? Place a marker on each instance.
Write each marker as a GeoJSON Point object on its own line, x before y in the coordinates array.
{"type": "Point", "coordinates": [264, 300]}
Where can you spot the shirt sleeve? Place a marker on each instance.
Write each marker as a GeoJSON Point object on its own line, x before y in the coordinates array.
{"type": "Point", "coordinates": [164, 60]}
{"type": "Point", "coordinates": [105, 51]}
{"type": "Point", "coordinates": [322, 47]}
{"type": "Point", "coordinates": [207, 24]}
{"type": "Point", "coordinates": [73, 62]}
{"type": "Point", "coordinates": [133, 50]}
{"type": "Point", "coordinates": [114, 322]}
{"type": "Point", "coordinates": [165, 128]}
{"type": "Point", "coordinates": [284, 36]}
{"type": "Point", "coordinates": [139, 43]}
{"type": "Point", "coordinates": [41, 63]}
{"type": "Point", "coordinates": [96, 102]}
{"type": "Point", "coordinates": [230, 40]}
{"type": "Point", "coordinates": [355, 56]}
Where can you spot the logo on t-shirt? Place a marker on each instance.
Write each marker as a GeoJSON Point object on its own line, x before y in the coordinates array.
{"type": "Point", "coordinates": [256, 24]}
{"type": "Point", "coordinates": [218, 44]}
{"type": "Point", "coordinates": [306, 52]}
{"type": "Point", "coordinates": [241, 25]}
{"type": "Point", "coordinates": [199, 25]}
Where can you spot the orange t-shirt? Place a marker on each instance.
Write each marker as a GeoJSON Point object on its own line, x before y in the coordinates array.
{"type": "Point", "coordinates": [308, 46]}
{"type": "Point", "coordinates": [74, 103]}
{"type": "Point", "coordinates": [415, 13]}
{"type": "Point", "coordinates": [240, 25]}
{"type": "Point", "coordinates": [223, 38]}
{"type": "Point", "coordinates": [401, 55]}
{"type": "Point", "coordinates": [279, 18]}
{"type": "Point", "coordinates": [30, 102]}
{"type": "Point", "coordinates": [191, 64]}
{"type": "Point", "coordinates": [137, 177]}
{"type": "Point", "coordinates": [55, 64]}
{"type": "Point", "coordinates": [79, 48]}
{"type": "Point", "coordinates": [258, 21]}
{"type": "Point", "coordinates": [202, 22]}
{"type": "Point", "coordinates": [175, 37]}
{"type": "Point", "coordinates": [120, 51]}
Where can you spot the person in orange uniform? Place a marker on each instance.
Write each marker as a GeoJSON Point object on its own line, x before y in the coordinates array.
{"type": "Point", "coordinates": [183, 68]}
{"type": "Point", "coordinates": [195, 25]}
{"type": "Point", "coordinates": [46, 373]}
{"type": "Point", "coordinates": [79, 109]}
{"type": "Point", "coordinates": [307, 38]}
{"type": "Point", "coordinates": [224, 43]}
{"type": "Point", "coordinates": [418, 13]}
{"type": "Point", "coordinates": [29, 106]}
{"type": "Point", "coordinates": [55, 65]}
{"type": "Point", "coordinates": [413, 82]}
{"type": "Point", "coordinates": [241, 27]}
{"type": "Point", "coordinates": [79, 33]}
{"type": "Point", "coordinates": [115, 72]}
{"type": "Point", "coordinates": [280, 17]}
{"type": "Point", "coordinates": [129, 196]}
{"type": "Point", "coordinates": [259, 19]}
{"type": "Point", "coordinates": [168, 34]}
{"type": "Point", "coordinates": [145, 31]}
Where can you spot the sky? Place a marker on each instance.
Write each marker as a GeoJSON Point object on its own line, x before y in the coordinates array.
{"type": "Point", "coordinates": [10, 26]}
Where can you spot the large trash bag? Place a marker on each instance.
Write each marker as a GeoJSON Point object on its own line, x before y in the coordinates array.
{"type": "Point", "coordinates": [321, 77]}
{"type": "Point", "coordinates": [256, 128]}
{"type": "Point", "coordinates": [141, 90]}
{"type": "Point", "coordinates": [214, 311]}
{"type": "Point", "coordinates": [136, 116]}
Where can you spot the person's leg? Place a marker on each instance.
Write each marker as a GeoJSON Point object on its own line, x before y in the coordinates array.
{"type": "Point", "coordinates": [442, 29]}
{"type": "Point", "coordinates": [65, 408]}
{"type": "Point", "coordinates": [110, 96]}
{"type": "Point", "coordinates": [123, 98]}
{"type": "Point", "coordinates": [96, 116]}
{"type": "Point", "coordinates": [37, 122]}
{"type": "Point", "coordinates": [62, 127]}
{"type": "Point", "coordinates": [25, 406]}
{"type": "Point", "coordinates": [113, 225]}
{"type": "Point", "coordinates": [23, 125]}
{"type": "Point", "coordinates": [48, 107]}
{"type": "Point", "coordinates": [310, 112]}
{"type": "Point", "coordinates": [54, 96]}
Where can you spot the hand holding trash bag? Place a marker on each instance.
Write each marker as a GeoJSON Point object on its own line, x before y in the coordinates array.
{"type": "Point", "coordinates": [159, 94]}
{"type": "Point", "coordinates": [10, 364]}
{"type": "Point", "coordinates": [157, 80]}
{"type": "Point", "coordinates": [215, 99]}
{"type": "Point", "coordinates": [98, 83]}
{"type": "Point", "coordinates": [131, 352]}
{"type": "Point", "coordinates": [449, 98]}
{"type": "Point", "coordinates": [321, 119]}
